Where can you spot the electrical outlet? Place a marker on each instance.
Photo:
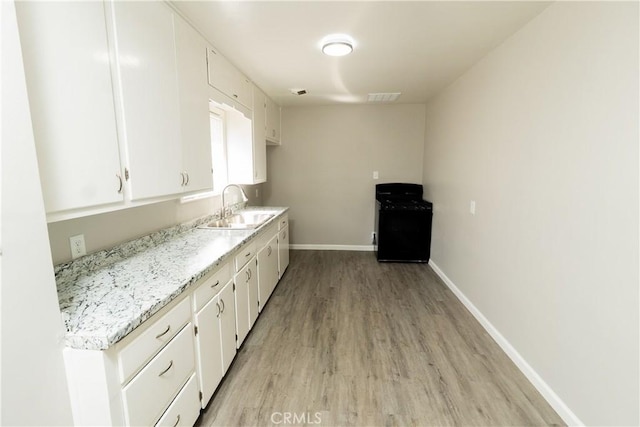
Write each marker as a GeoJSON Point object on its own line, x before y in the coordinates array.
{"type": "Point", "coordinates": [376, 175]}
{"type": "Point", "coordinates": [257, 192]}
{"type": "Point", "coordinates": [78, 248]}
{"type": "Point", "coordinates": [472, 207]}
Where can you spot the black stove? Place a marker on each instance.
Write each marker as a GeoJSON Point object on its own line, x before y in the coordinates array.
{"type": "Point", "coordinates": [403, 223]}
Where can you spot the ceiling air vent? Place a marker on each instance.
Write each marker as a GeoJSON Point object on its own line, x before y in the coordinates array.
{"type": "Point", "coordinates": [383, 97]}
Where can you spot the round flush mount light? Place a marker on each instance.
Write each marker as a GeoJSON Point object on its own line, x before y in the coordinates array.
{"type": "Point", "coordinates": [337, 45]}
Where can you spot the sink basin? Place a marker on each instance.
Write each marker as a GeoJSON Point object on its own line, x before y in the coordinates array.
{"type": "Point", "coordinates": [240, 221]}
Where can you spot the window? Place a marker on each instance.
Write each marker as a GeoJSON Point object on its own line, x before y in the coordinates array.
{"type": "Point", "coordinates": [218, 150]}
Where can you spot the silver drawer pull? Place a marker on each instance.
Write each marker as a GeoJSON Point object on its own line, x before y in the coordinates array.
{"type": "Point", "coordinates": [177, 421]}
{"type": "Point", "coordinates": [269, 251]}
{"type": "Point", "coordinates": [222, 301]}
{"type": "Point", "coordinates": [215, 284]}
{"type": "Point", "coordinates": [166, 370]}
{"type": "Point", "coordinates": [163, 333]}
{"type": "Point", "coordinates": [219, 310]}
{"type": "Point", "coordinates": [248, 275]}
{"type": "Point", "coordinates": [248, 253]}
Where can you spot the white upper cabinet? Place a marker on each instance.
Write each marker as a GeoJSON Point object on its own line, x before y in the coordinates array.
{"type": "Point", "coordinates": [191, 56]}
{"type": "Point", "coordinates": [146, 58]}
{"type": "Point", "coordinates": [259, 135]}
{"type": "Point", "coordinates": [67, 67]}
{"type": "Point", "coordinates": [228, 79]}
{"type": "Point", "coordinates": [273, 122]}
{"type": "Point", "coordinates": [246, 156]}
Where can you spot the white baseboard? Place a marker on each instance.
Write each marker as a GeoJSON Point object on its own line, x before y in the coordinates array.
{"type": "Point", "coordinates": [361, 248]}
{"type": "Point", "coordinates": [545, 390]}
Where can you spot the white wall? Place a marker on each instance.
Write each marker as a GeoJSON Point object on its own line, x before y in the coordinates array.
{"type": "Point", "coordinates": [543, 135]}
{"type": "Point", "coordinates": [33, 384]}
{"type": "Point", "coordinates": [323, 170]}
{"type": "Point", "coordinates": [107, 230]}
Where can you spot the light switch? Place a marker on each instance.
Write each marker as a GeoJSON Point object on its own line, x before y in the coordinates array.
{"type": "Point", "coordinates": [375, 175]}
{"type": "Point", "coordinates": [472, 207]}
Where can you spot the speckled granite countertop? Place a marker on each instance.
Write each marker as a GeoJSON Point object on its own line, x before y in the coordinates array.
{"type": "Point", "coordinates": [106, 295]}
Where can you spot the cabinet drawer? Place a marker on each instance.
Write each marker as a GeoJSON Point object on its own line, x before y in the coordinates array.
{"type": "Point", "coordinates": [210, 287]}
{"type": "Point", "coordinates": [143, 348]}
{"type": "Point", "coordinates": [283, 222]}
{"type": "Point", "coordinates": [185, 409]}
{"type": "Point", "coordinates": [151, 391]}
{"type": "Point", "coordinates": [245, 254]}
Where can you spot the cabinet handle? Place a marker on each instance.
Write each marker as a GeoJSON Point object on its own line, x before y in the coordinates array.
{"type": "Point", "coordinates": [166, 370]}
{"type": "Point", "coordinates": [284, 235]}
{"type": "Point", "coordinates": [219, 311]}
{"type": "Point", "coordinates": [235, 96]}
{"type": "Point", "coordinates": [269, 251]}
{"type": "Point", "coordinates": [187, 174]}
{"type": "Point", "coordinates": [177, 421]}
{"type": "Point", "coordinates": [163, 333]}
{"type": "Point", "coordinates": [120, 181]}
{"type": "Point", "coordinates": [250, 273]}
{"type": "Point", "coordinates": [248, 253]}
{"type": "Point", "coordinates": [222, 301]}
{"type": "Point", "coordinates": [215, 284]}
{"type": "Point", "coordinates": [182, 183]}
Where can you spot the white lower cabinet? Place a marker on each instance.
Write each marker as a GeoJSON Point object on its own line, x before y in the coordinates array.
{"type": "Point", "coordinates": [169, 367]}
{"type": "Point", "coordinates": [267, 270]}
{"type": "Point", "coordinates": [209, 349]}
{"type": "Point", "coordinates": [185, 409]}
{"type": "Point", "coordinates": [211, 333]}
{"type": "Point", "coordinates": [150, 392]}
{"type": "Point", "coordinates": [227, 325]}
{"type": "Point", "coordinates": [283, 250]}
{"type": "Point", "coordinates": [246, 288]}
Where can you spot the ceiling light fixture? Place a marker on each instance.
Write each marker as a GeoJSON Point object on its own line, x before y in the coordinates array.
{"type": "Point", "coordinates": [337, 45]}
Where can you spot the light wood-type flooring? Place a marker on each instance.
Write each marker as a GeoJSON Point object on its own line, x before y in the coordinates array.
{"type": "Point", "coordinates": [345, 340]}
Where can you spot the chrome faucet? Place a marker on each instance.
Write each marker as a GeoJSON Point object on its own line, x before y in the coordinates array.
{"type": "Point", "coordinates": [244, 198]}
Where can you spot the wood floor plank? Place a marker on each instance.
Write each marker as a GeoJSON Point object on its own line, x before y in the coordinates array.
{"type": "Point", "coordinates": [347, 341]}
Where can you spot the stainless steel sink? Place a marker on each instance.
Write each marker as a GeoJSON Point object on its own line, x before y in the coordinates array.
{"type": "Point", "coordinates": [240, 221]}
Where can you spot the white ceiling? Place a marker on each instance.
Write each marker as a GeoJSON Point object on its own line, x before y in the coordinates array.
{"type": "Point", "coordinates": [416, 48]}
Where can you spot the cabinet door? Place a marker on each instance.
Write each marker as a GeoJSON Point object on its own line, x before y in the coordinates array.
{"type": "Point", "coordinates": [209, 350]}
{"type": "Point", "coordinates": [149, 90]}
{"type": "Point", "coordinates": [228, 79]}
{"type": "Point", "coordinates": [273, 121]}
{"type": "Point", "coordinates": [259, 135]}
{"type": "Point", "coordinates": [239, 148]}
{"type": "Point", "coordinates": [252, 284]}
{"type": "Point", "coordinates": [191, 51]}
{"type": "Point", "coordinates": [220, 72]}
{"type": "Point", "coordinates": [227, 325]}
{"type": "Point", "coordinates": [67, 67]}
{"type": "Point", "coordinates": [267, 270]}
{"type": "Point", "coordinates": [242, 280]}
{"type": "Point", "coordinates": [283, 250]}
